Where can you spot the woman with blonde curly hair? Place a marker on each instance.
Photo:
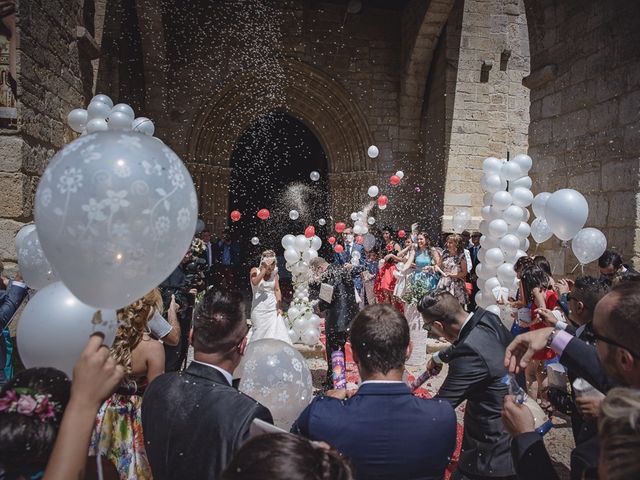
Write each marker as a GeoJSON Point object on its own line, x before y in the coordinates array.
{"type": "Point", "coordinates": [118, 435]}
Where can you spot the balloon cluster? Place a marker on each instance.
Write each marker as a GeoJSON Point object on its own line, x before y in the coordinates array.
{"type": "Point", "coordinates": [504, 227]}
{"type": "Point", "coordinates": [564, 214]}
{"type": "Point", "coordinates": [102, 115]}
{"type": "Point", "coordinates": [299, 251]}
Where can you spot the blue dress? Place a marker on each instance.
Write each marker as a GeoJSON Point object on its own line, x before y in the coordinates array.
{"type": "Point", "coordinates": [420, 283]}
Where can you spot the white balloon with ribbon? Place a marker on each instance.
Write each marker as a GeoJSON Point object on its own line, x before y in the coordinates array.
{"type": "Point", "coordinates": [588, 245]}
{"type": "Point", "coordinates": [566, 212]}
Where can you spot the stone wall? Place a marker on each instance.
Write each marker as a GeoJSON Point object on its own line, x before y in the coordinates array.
{"type": "Point", "coordinates": [585, 110]}
{"type": "Point", "coordinates": [487, 113]}
{"type": "Point", "coordinates": [49, 85]}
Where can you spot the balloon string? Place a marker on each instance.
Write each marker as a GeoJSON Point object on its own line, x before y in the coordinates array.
{"type": "Point", "coordinates": [577, 265]}
{"type": "Point", "coordinates": [535, 252]}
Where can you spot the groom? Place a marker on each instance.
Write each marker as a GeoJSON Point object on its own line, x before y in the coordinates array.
{"type": "Point", "coordinates": [354, 267]}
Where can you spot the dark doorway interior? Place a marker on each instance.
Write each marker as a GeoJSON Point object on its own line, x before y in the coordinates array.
{"type": "Point", "coordinates": [270, 168]}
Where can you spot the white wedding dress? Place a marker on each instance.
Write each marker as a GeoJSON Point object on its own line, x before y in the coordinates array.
{"type": "Point", "coordinates": [264, 313]}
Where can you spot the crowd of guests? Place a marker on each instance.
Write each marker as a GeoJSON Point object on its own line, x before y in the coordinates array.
{"type": "Point", "coordinates": [125, 415]}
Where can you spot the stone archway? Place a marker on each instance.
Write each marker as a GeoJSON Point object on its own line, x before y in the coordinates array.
{"type": "Point", "coordinates": [309, 95]}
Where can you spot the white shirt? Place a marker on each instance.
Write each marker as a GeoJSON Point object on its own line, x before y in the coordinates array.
{"type": "Point", "coordinates": [226, 374]}
{"type": "Point", "coordinates": [380, 381]}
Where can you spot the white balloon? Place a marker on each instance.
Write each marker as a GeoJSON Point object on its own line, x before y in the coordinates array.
{"type": "Point", "coordinates": [119, 121]}
{"type": "Point", "coordinates": [300, 323]}
{"type": "Point", "coordinates": [291, 255]}
{"type": "Point", "coordinates": [315, 176]}
{"type": "Point", "coordinates": [55, 327]}
{"type": "Point", "coordinates": [486, 271]}
{"type": "Point", "coordinates": [491, 283]}
{"type": "Point", "coordinates": [492, 182]}
{"type": "Point", "coordinates": [23, 232]}
{"type": "Point", "coordinates": [501, 200]}
{"type": "Point", "coordinates": [506, 274]}
{"type": "Point", "coordinates": [498, 228]}
{"type": "Point", "coordinates": [77, 119]}
{"type": "Point", "coordinates": [311, 336]}
{"type": "Point", "coordinates": [524, 182]}
{"type": "Point", "coordinates": [460, 220]}
{"type": "Point", "coordinates": [276, 375]}
{"type": "Point", "coordinates": [293, 215]}
{"type": "Point", "coordinates": [382, 207]}
{"type": "Point", "coordinates": [354, 216]}
{"type": "Point", "coordinates": [491, 165]}
{"type": "Point", "coordinates": [255, 241]}
{"type": "Point", "coordinates": [316, 243]}
{"type": "Point", "coordinates": [373, 191]}
{"type": "Point", "coordinates": [98, 109]}
{"type": "Point", "coordinates": [524, 244]}
{"type": "Point", "coordinates": [485, 213]}
{"type": "Point", "coordinates": [522, 230]}
{"type": "Point", "coordinates": [522, 197]}
{"type": "Point", "coordinates": [566, 212]}
{"type": "Point", "coordinates": [288, 241]}
{"type": "Point", "coordinates": [482, 255]}
{"type": "Point", "coordinates": [371, 220]}
{"type": "Point", "coordinates": [513, 215]}
{"type": "Point", "coordinates": [540, 203]}
{"type": "Point", "coordinates": [309, 255]}
{"type": "Point", "coordinates": [143, 125]}
{"type": "Point", "coordinates": [526, 215]}
{"type": "Point", "coordinates": [483, 228]}
{"type": "Point", "coordinates": [540, 231]}
{"type": "Point", "coordinates": [104, 99]}
{"type": "Point", "coordinates": [494, 257]}
{"type": "Point", "coordinates": [373, 151]}
{"type": "Point", "coordinates": [314, 321]}
{"type": "Point", "coordinates": [511, 171]}
{"type": "Point", "coordinates": [293, 313]}
{"type": "Point", "coordinates": [322, 222]}
{"type": "Point", "coordinates": [588, 245]}
{"type": "Point", "coordinates": [400, 174]}
{"type": "Point", "coordinates": [115, 214]}
{"type": "Point", "coordinates": [509, 244]}
{"type": "Point", "coordinates": [302, 243]}
{"type": "Point", "coordinates": [34, 266]}
{"type": "Point", "coordinates": [487, 198]}
{"type": "Point", "coordinates": [97, 125]}
{"type": "Point", "coordinates": [495, 309]}
{"type": "Point", "coordinates": [293, 335]}
{"type": "Point", "coordinates": [124, 108]}
{"type": "Point", "coordinates": [487, 242]}
{"type": "Point", "coordinates": [478, 298]}
{"type": "Point", "coordinates": [524, 162]}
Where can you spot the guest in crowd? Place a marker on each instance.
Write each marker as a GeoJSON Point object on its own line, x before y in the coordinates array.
{"type": "Point", "coordinates": [118, 435]}
{"type": "Point", "coordinates": [414, 438]}
{"type": "Point", "coordinates": [338, 312]}
{"type": "Point", "coordinates": [611, 264]}
{"type": "Point", "coordinates": [476, 371]}
{"type": "Point", "coordinates": [368, 275]}
{"type": "Point", "coordinates": [454, 269]}
{"type": "Point", "coordinates": [352, 258]}
{"type": "Point", "coordinates": [474, 249]}
{"type": "Point", "coordinates": [386, 281]}
{"type": "Point", "coordinates": [31, 408]}
{"type": "Point", "coordinates": [209, 255]}
{"type": "Point", "coordinates": [542, 262]}
{"type": "Point", "coordinates": [226, 253]}
{"type": "Point", "coordinates": [194, 421]}
{"type": "Point", "coordinates": [283, 456]}
{"type": "Point", "coordinates": [167, 330]}
{"type": "Point", "coordinates": [10, 301]}
{"type": "Point", "coordinates": [616, 330]}
{"type": "Point", "coordinates": [537, 292]}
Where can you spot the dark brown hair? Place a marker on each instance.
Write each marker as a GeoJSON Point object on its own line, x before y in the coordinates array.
{"type": "Point", "coordinates": [219, 322]}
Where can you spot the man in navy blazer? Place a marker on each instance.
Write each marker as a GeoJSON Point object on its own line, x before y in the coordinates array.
{"type": "Point", "coordinates": [383, 429]}
{"type": "Point", "coordinates": [344, 258]}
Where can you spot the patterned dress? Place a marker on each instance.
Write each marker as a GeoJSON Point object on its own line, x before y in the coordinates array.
{"type": "Point", "coordinates": [455, 286]}
{"type": "Point", "coordinates": [118, 436]}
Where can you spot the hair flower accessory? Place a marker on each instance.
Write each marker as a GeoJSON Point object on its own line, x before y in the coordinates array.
{"type": "Point", "coordinates": [26, 401]}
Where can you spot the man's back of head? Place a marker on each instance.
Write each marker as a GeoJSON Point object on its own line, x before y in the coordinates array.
{"type": "Point", "coordinates": [219, 323]}
{"type": "Point", "coordinates": [379, 339]}
{"type": "Point", "coordinates": [588, 291]}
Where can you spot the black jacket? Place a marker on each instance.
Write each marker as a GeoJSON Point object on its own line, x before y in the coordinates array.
{"type": "Point", "coordinates": [343, 307]}
{"type": "Point", "coordinates": [194, 421]}
{"type": "Point", "coordinates": [476, 369]}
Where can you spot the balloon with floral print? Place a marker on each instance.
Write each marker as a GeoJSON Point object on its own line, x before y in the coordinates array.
{"type": "Point", "coordinates": [115, 213]}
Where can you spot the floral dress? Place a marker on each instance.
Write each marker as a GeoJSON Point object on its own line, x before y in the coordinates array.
{"type": "Point", "coordinates": [455, 286]}
{"type": "Point", "coordinates": [118, 436]}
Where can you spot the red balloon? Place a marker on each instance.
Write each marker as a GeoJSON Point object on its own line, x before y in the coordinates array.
{"type": "Point", "coordinates": [338, 248]}
{"type": "Point", "coordinates": [382, 200]}
{"type": "Point", "coordinates": [359, 239]}
{"type": "Point", "coordinates": [389, 248]}
{"type": "Point", "coordinates": [331, 240]}
{"type": "Point", "coordinates": [340, 226]}
{"type": "Point", "coordinates": [310, 231]}
{"type": "Point", "coordinates": [235, 216]}
{"type": "Point", "coordinates": [402, 233]}
{"type": "Point", "coordinates": [395, 180]}
{"type": "Point", "coordinates": [263, 214]}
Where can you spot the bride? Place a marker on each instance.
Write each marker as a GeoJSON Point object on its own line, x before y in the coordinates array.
{"type": "Point", "coordinates": [266, 316]}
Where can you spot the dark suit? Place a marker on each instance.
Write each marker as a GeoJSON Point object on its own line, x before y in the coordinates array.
{"type": "Point", "coordinates": [345, 257]}
{"type": "Point", "coordinates": [476, 369]}
{"type": "Point", "coordinates": [338, 314]}
{"type": "Point", "coordinates": [386, 432]}
{"type": "Point", "coordinates": [10, 302]}
{"type": "Point", "coordinates": [193, 423]}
